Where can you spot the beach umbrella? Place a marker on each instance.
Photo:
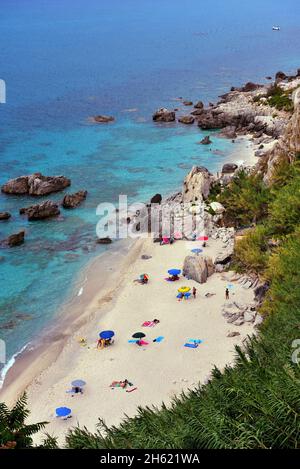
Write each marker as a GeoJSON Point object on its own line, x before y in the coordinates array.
{"type": "Point", "coordinates": [138, 335]}
{"type": "Point", "coordinates": [144, 276]}
{"type": "Point", "coordinates": [78, 383]}
{"type": "Point", "coordinates": [63, 411]}
{"type": "Point", "coordinates": [184, 289]}
{"type": "Point", "coordinates": [174, 271]}
{"type": "Point", "coordinates": [197, 250]}
{"type": "Point", "coordinates": [106, 334]}
{"type": "Point", "coordinates": [203, 238]}
{"type": "Point", "coordinates": [188, 294]}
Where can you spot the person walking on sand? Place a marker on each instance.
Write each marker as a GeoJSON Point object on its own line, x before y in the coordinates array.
{"type": "Point", "coordinates": [194, 292]}
{"type": "Point", "coordinates": [227, 294]}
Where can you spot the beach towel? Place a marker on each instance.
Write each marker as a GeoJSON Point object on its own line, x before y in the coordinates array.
{"type": "Point", "coordinates": [132, 341]}
{"type": "Point", "coordinates": [143, 342]}
{"type": "Point", "coordinates": [191, 345]}
{"type": "Point", "coordinates": [195, 341]}
{"type": "Point", "coordinates": [148, 324]}
{"type": "Point", "coordinates": [130, 390]}
{"type": "Point", "coordinates": [158, 339]}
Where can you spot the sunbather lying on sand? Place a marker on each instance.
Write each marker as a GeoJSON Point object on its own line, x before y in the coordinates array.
{"type": "Point", "coordinates": [120, 384]}
{"type": "Point", "coordinates": [150, 323]}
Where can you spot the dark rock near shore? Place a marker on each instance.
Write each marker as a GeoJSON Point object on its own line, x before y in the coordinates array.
{"type": "Point", "coordinates": [229, 132]}
{"type": "Point", "coordinates": [186, 120]}
{"type": "Point", "coordinates": [280, 76]}
{"type": "Point", "coordinates": [4, 216]}
{"type": "Point", "coordinates": [156, 199]}
{"type": "Point", "coordinates": [164, 115]}
{"type": "Point", "coordinates": [15, 239]}
{"type": "Point", "coordinates": [106, 240]}
{"type": "Point", "coordinates": [103, 119]}
{"type": "Point", "coordinates": [187, 103]}
{"type": "Point", "coordinates": [229, 168]}
{"type": "Point", "coordinates": [206, 140]}
{"type": "Point", "coordinates": [47, 209]}
{"type": "Point", "coordinates": [197, 112]}
{"type": "Point", "coordinates": [73, 200]}
{"type": "Point", "coordinates": [35, 184]}
{"type": "Point", "coordinates": [199, 105]}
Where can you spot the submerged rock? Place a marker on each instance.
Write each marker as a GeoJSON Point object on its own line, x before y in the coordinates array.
{"type": "Point", "coordinates": [41, 211]}
{"type": "Point", "coordinates": [15, 239]}
{"type": "Point", "coordinates": [35, 184]}
{"type": "Point", "coordinates": [186, 120]}
{"type": "Point", "coordinates": [4, 215]}
{"type": "Point", "coordinates": [198, 268]}
{"type": "Point", "coordinates": [164, 115]}
{"type": "Point", "coordinates": [187, 103]}
{"type": "Point", "coordinates": [106, 240]}
{"type": "Point", "coordinates": [206, 140]}
{"type": "Point", "coordinates": [73, 200]}
{"type": "Point", "coordinates": [103, 119]}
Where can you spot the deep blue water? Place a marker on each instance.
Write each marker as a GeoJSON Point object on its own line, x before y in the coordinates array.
{"type": "Point", "coordinates": [65, 60]}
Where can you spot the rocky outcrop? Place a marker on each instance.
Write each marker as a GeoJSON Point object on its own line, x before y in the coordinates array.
{"type": "Point", "coordinates": [206, 140]}
{"type": "Point", "coordinates": [47, 209]}
{"type": "Point", "coordinates": [287, 147]}
{"type": "Point", "coordinates": [106, 240]}
{"type": "Point", "coordinates": [197, 184]}
{"type": "Point", "coordinates": [229, 168]}
{"type": "Point", "coordinates": [156, 199]}
{"type": "Point", "coordinates": [4, 216]}
{"type": "Point", "coordinates": [14, 240]}
{"type": "Point", "coordinates": [186, 120]}
{"type": "Point", "coordinates": [36, 184]}
{"type": "Point", "coordinates": [217, 207]}
{"type": "Point", "coordinates": [199, 105]}
{"type": "Point", "coordinates": [103, 119]}
{"type": "Point", "coordinates": [164, 115]}
{"type": "Point", "coordinates": [73, 200]}
{"type": "Point", "coordinates": [198, 268]}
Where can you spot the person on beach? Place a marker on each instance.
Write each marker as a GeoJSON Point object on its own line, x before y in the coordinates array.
{"type": "Point", "coordinates": [194, 292]}
{"type": "Point", "coordinates": [180, 296]}
{"type": "Point", "coordinates": [101, 344]}
{"type": "Point", "coordinates": [227, 294]}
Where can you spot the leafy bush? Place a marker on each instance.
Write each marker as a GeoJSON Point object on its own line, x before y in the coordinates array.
{"type": "Point", "coordinates": [284, 211]}
{"type": "Point", "coordinates": [251, 252]}
{"type": "Point", "coordinates": [246, 200]}
{"type": "Point", "coordinates": [280, 99]}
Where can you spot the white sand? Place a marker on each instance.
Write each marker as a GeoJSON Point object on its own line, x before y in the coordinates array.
{"type": "Point", "coordinates": [159, 370]}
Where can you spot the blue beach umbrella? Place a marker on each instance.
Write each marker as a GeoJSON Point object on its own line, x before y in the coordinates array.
{"type": "Point", "coordinates": [197, 250]}
{"type": "Point", "coordinates": [230, 285]}
{"type": "Point", "coordinates": [174, 271]}
{"type": "Point", "coordinates": [106, 334]}
{"type": "Point", "coordinates": [63, 411]}
{"type": "Point", "coordinates": [78, 383]}
{"type": "Point", "coordinates": [188, 294]}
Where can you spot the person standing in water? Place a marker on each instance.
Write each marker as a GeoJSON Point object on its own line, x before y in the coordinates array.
{"type": "Point", "coordinates": [227, 294]}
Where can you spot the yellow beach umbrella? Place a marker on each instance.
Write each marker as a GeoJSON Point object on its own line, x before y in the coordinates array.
{"type": "Point", "coordinates": [184, 289]}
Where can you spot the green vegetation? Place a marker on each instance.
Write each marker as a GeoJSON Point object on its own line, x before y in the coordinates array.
{"type": "Point", "coordinates": [14, 433]}
{"type": "Point", "coordinates": [280, 99]}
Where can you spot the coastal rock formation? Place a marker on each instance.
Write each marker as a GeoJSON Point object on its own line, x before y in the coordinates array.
{"type": "Point", "coordinates": [103, 119]}
{"type": "Point", "coordinates": [164, 115]}
{"type": "Point", "coordinates": [35, 184]}
{"type": "Point", "coordinates": [197, 184]}
{"type": "Point", "coordinates": [4, 216]}
{"type": "Point", "coordinates": [206, 140]}
{"type": "Point", "coordinates": [156, 199]}
{"type": "Point", "coordinates": [41, 211]}
{"type": "Point", "coordinates": [186, 120]}
{"type": "Point", "coordinates": [229, 168]}
{"type": "Point", "coordinates": [73, 200]}
{"type": "Point", "coordinates": [197, 112]}
{"type": "Point", "coordinates": [199, 105]}
{"type": "Point", "coordinates": [198, 268]}
{"type": "Point", "coordinates": [15, 239]}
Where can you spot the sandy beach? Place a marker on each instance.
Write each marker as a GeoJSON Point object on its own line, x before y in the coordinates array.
{"type": "Point", "coordinates": [159, 371]}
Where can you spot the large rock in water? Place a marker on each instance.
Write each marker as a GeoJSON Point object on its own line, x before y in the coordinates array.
{"type": "Point", "coordinates": [164, 115]}
{"type": "Point", "coordinates": [4, 215]}
{"type": "Point", "coordinates": [35, 184]}
{"type": "Point", "coordinates": [197, 184]}
{"type": "Point", "coordinates": [14, 239]}
{"type": "Point", "coordinates": [73, 200]}
{"type": "Point", "coordinates": [198, 268]}
{"type": "Point", "coordinates": [186, 120]}
{"type": "Point", "coordinates": [41, 211]}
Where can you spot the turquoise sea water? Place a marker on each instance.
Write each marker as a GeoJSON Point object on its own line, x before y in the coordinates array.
{"type": "Point", "coordinates": [65, 60]}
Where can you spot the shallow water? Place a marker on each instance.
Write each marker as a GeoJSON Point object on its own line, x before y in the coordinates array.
{"type": "Point", "coordinates": [64, 61]}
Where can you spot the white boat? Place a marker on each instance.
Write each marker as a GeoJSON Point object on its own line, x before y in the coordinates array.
{"type": "Point", "coordinates": [276, 28]}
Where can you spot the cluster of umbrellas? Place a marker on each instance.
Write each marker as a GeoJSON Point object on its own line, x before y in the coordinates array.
{"type": "Point", "coordinates": [184, 291]}
{"type": "Point", "coordinates": [64, 412]}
